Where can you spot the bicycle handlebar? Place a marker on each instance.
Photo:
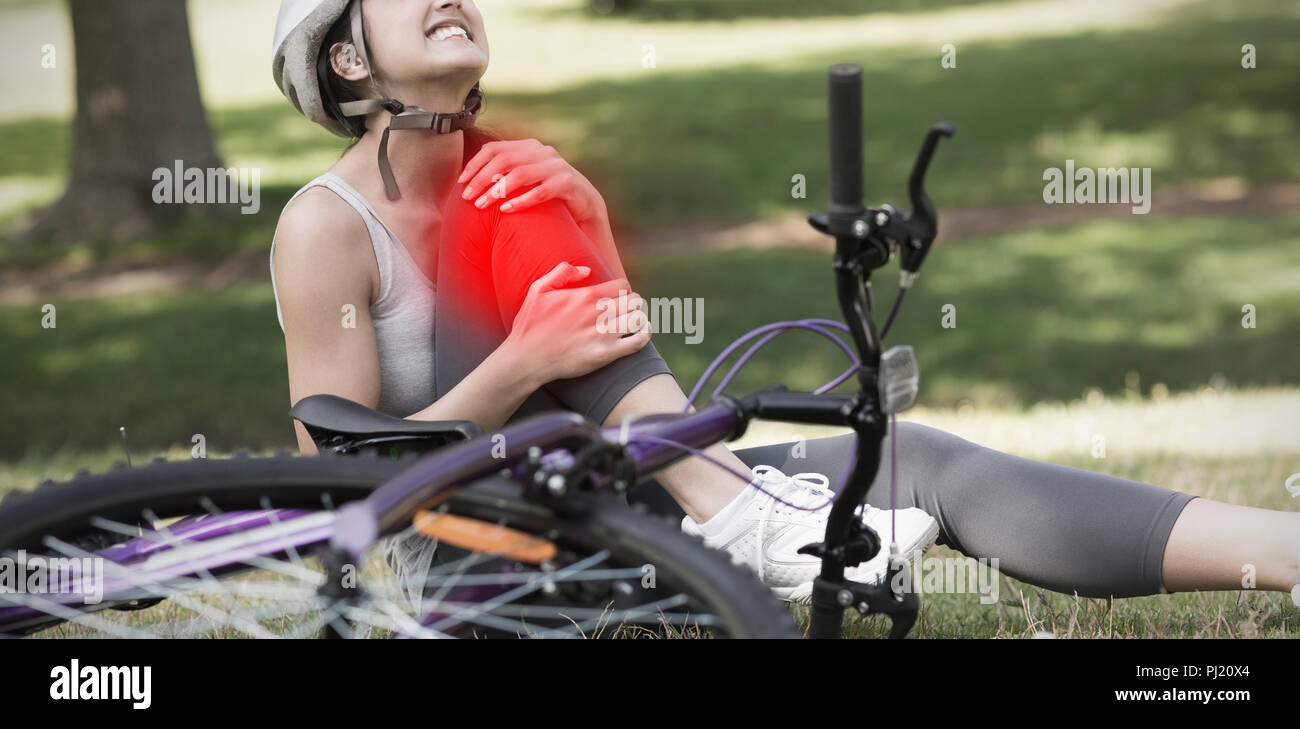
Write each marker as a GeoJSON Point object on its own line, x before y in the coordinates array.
{"type": "Point", "coordinates": [846, 139]}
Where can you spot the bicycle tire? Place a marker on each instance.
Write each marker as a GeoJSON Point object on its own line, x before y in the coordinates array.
{"type": "Point", "coordinates": [175, 488]}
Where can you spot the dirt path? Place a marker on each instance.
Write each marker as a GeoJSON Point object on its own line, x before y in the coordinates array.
{"type": "Point", "coordinates": [55, 282]}
{"type": "Point", "coordinates": [1225, 197]}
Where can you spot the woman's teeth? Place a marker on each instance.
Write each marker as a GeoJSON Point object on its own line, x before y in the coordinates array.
{"type": "Point", "coordinates": [449, 31]}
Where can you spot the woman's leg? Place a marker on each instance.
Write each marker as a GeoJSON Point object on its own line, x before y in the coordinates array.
{"type": "Point", "coordinates": [1063, 528]}
{"type": "Point", "coordinates": [1218, 546]}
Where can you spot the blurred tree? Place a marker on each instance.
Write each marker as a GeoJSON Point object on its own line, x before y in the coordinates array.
{"type": "Point", "coordinates": [138, 109]}
{"type": "Point", "coordinates": [604, 7]}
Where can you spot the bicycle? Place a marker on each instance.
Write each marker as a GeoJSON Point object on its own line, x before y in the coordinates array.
{"type": "Point", "coordinates": [535, 509]}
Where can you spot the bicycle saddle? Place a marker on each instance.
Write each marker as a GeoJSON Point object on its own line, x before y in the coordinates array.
{"type": "Point", "coordinates": [334, 422]}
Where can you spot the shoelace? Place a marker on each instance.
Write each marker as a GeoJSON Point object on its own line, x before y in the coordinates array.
{"type": "Point", "coordinates": [804, 486]}
{"type": "Point", "coordinates": [807, 485]}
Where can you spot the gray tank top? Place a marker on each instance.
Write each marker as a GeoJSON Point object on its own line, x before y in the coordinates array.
{"type": "Point", "coordinates": [402, 314]}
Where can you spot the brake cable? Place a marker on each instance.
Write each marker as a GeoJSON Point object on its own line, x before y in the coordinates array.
{"type": "Point", "coordinates": [771, 331]}
{"type": "Point", "coordinates": [809, 324]}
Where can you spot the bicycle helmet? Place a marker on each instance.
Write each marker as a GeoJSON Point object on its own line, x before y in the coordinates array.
{"type": "Point", "coordinates": [300, 29]}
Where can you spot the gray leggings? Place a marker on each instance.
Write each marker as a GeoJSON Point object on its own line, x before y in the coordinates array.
{"type": "Point", "coordinates": [1062, 528]}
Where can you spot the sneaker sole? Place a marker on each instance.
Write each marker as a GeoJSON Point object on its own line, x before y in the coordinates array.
{"type": "Point", "coordinates": [801, 594]}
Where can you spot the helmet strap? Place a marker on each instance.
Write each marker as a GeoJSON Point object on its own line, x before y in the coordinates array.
{"type": "Point", "coordinates": [403, 117]}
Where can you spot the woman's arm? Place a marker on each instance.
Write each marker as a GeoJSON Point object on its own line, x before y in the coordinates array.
{"type": "Point", "coordinates": [324, 262]}
{"type": "Point", "coordinates": [598, 230]}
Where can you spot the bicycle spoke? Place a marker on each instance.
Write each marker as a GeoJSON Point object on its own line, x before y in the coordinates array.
{"type": "Point", "coordinates": [527, 589]}
{"type": "Point", "coordinates": [146, 583]}
{"type": "Point", "coordinates": [275, 518]}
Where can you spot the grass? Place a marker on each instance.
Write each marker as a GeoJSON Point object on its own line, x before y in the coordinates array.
{"type": "Point", "coordinates": [1024, 611]}
{"type": "Point", "coordinates": [165, 366]}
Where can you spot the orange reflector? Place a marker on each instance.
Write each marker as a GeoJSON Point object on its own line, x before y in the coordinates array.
{"type": "Point", "coordinates": [481, 536]}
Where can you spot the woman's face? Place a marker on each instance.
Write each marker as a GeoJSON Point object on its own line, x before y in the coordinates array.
{"type": "Point", "coordinates": [416, 43]}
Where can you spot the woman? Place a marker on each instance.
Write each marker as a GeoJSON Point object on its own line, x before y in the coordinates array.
{"type": "Point", "coordinates": [520, 248]}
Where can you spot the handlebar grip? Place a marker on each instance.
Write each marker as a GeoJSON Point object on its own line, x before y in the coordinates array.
{"type": "Point", "coordinates": [846, 136]}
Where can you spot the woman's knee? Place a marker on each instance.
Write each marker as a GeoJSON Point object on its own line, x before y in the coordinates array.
{"type": "Point", "coordinates": [929, 458]}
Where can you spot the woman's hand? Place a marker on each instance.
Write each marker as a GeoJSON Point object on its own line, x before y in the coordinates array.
{"type": "Point", "coordinates": [567, 332]}
{"type": "Point", "coordinates": [518, 174]}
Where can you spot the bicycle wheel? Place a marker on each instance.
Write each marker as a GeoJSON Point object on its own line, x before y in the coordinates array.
{"type": "Point", "coordinates": [610, 571]}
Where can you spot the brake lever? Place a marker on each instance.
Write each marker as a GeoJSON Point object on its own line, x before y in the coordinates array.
{"type": "Point", "coordinates": [918, 229]}
{"type": "Point", "coordinates": [914, 231]}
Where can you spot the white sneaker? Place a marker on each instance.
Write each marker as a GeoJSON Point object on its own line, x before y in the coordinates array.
{"type": "Point", "coordinates": [766, 534]}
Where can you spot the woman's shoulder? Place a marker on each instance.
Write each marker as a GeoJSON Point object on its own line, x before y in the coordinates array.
{"type": "Point", "coordinates": [320, 236]}
{"type": "Point", "coordinates": [316, 211]}
{"type": "Point", "coordinates": [320, 217]}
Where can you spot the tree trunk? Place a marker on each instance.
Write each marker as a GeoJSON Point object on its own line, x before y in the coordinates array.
{"type": "Point", "coordinates": [138, 109]}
